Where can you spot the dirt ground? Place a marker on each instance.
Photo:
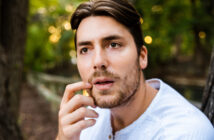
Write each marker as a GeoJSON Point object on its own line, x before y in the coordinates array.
{"type": "Point", "coordinates": [36, 119]}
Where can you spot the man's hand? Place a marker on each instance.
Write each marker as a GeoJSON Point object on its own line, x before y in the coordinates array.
{"type": "Point", "coordinates": [73, 111]}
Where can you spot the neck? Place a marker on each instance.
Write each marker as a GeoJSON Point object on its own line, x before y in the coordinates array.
{"type": "Point", "coordinates": [124, 115]}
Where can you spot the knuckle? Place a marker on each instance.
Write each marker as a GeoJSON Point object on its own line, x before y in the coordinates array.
{"type": "Point", "coordinates": [69, 132]}
{"type": "Point", "coordinates": [82, 111]}
{"type": "Point", "coordinates": [62, 121]}
{"type": "Point", "coordinates": [78, 97]}
{"type": "Point", "coordinates": [60, 114]}
{"type": "Point", "coordinates": [91, 100]}
{"type": "Point", "coordinates": [66, 132]}
{"type": "Point", "coordinates": [67, 87]}
{"type": "Point", "coordinates": [82, 124]}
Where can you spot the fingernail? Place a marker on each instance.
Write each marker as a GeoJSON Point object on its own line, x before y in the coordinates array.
{"type": "Point", "coordinates": [97, 115]}
{"type": "Point", "coordinates": [92, 122]}
{"type": "Point", "coordinates": [88, 84]}
{"type": "Point", "coordinates": [94, 106]}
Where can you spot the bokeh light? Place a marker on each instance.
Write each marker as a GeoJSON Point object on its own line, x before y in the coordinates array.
{"type": "Point", "coordinates": [202, 34]}
{"type": "Point", "coordinates": [141, 20]}
{"type": "Point", "coordinates": [69, 8]}
{"type": "Point", "coordinates": [52, 29]}
{"type": "Point", "coordinates": [54, 38]}
{"type": "Point", "coordinates": [157, 9]}
{"type": "Point", "coordinates": [148, 39]}
{"type": "Point", "coordinates": [72, 53]}
{"type": "Point", "coordinates": [67, 25]}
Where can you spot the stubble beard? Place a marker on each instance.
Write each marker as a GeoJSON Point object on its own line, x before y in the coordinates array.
{"type": "Point", "coordinates": [122, 93]}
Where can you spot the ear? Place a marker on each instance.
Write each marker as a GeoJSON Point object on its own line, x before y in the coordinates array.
{"type": "Point", "coordinates": [143, 57]}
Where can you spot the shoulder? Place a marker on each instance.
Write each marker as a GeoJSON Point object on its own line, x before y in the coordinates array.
{"type": "Point", "coordinates": [179, 118]}
{"type": "Point", "coordinates": [188, 124]}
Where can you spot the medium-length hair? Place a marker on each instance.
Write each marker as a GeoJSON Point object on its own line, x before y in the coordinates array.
{"type": "Point", "coordinates": [120, 10]}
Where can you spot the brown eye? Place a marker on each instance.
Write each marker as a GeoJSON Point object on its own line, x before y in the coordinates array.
{"type": "Point", "coordinates": [83, 50]}
{"type": "Point", "coordinates": [114, 45]}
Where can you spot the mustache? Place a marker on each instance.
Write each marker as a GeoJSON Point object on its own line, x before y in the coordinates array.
{"type": "Point", "coordinates": [103, 73]}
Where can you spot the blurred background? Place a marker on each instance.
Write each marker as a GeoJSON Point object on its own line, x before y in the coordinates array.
{"type": "Point", "coordinates": [179, 36]}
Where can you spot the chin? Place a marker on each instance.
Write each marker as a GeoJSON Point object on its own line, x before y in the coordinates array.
{"type": "Point", "coordinates": [108, 101]}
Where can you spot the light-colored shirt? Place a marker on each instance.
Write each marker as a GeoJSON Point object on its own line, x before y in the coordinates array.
{"type": "Point", "coordinates": [168, 117]}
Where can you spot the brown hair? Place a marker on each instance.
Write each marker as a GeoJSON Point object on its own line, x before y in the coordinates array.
{"type": "Point", "coordinates": [120, 10]}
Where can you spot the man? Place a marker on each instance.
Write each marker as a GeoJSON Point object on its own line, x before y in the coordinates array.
{"type": "Point", "coordinates": [122, 105]}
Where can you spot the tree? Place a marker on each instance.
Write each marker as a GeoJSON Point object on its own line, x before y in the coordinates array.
{"type": "Point", "coordinates": [13, 22]}
{"type": "Point", "coordinates": [208, 95]}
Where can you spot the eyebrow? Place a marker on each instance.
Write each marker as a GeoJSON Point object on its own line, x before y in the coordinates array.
{"type": "Point", "coordinates": [111, 37]}
{"type": "Point", "coordinates": [84, 43]}
{"type": "Point", "coordinates": [104, 39]}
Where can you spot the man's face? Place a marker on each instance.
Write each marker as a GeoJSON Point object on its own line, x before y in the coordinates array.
{"type": "Point", "coordinates": [107, 58]}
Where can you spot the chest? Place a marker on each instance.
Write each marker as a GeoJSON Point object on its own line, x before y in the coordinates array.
{"type": "Point", "coordinates": [138, 131]}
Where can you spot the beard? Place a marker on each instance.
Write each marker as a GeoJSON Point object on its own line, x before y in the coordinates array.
{"type": "Point", "coordinates": [124, 88]}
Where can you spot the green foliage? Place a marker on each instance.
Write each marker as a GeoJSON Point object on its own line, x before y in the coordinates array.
{"type": "Point", "coordinates": [49, 36]}
{"type": "Point", "coordinates": [168, 23]}
{"type": "Point", "coordinates": [173, 25]}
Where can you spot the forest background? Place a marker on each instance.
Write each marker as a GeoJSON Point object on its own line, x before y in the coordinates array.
{"type": "Point", "coordinates": [179, 36]}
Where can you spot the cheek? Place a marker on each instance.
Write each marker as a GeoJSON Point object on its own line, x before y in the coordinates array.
{"type": "Point", "coordinates": [84, 68]}
{"type": "Point", "coordinates": [124, 62]}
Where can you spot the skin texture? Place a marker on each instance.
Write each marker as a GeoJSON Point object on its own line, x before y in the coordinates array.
{"type": "Point", "coordinates": [119, 56]}
{"type": "Point", "coordinates": [105, 51]}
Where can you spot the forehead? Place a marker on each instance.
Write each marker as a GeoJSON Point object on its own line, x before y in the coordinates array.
{"type": "Point", "coordinates": [98, 27]}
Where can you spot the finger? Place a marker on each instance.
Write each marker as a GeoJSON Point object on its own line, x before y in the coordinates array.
{"type": "Point", "coordinates": [75, 129]}
{"type": "Point", "coordinates": [76, 102]}
{"type": "Point", "coordinates": [71, 89]}
{"type": "Point", "coordinates": [78, 115]}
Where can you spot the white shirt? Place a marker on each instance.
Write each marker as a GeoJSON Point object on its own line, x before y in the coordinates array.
{"type": "Point", "coordinates": [168, 117]}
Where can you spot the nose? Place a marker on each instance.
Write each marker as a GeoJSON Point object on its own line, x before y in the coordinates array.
{"type": "Point", "coordinates": [100, 59]}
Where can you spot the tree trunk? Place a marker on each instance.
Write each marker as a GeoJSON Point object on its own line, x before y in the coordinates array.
{"type": "Point", "coordinates": [13, 21]}
{"type": "Point", "coordinates": [208, 95]}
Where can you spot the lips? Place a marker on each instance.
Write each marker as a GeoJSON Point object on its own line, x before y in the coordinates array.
{"type": "Point", "coordinates": [103, 83]}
